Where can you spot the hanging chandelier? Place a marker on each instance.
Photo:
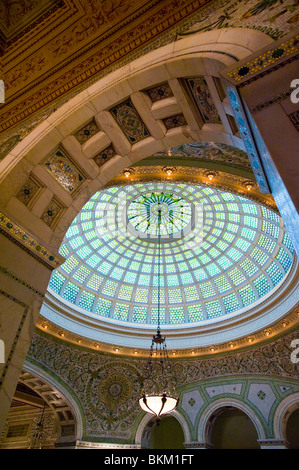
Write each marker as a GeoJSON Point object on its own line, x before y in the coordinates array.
{"type": "Point", "coordinates": [158, 396]}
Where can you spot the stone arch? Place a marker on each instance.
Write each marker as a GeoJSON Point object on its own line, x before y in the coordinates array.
{"type": "Point", "coordinates": [205, 423]}
{"type": "Point", "coordinates": [146, 425]}
{"type": "Point", "coordinates": [203, 54]}
{"type": "Point", "coordinates": [282, 414]}
{"type": "Point", "coordinates": [60, 401]}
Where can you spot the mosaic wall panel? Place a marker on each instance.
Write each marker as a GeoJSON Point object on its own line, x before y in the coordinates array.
{"type": "Point", "coordinates": [273, 17]}
{"type": "Point", "coordinates": [64, 170]}
{"type": "Point", "coordinates": [210, 151]}
{"type": "Point", "coordinates": [104, 156]}
{"type": "Point", "coordinates": [203, 100]}
{"type": "Point", "coordinates": [130, 122]}
{"type": "Point", "coordinates": [87, 132]}
{"type": "Point", "coordinates": [249, 142]}
{"type": "Point", "coordinates": [267, 59]}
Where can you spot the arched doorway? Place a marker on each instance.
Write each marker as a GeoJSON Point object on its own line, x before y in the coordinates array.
{"type": "Point", "coordinates": [292, 427]}
{"type": "Point", "coordinates": [231, 428]}
{"type": "Point", "coordinates": [40, 417]}
{"type": "Point", "coordinates": [167, 435]}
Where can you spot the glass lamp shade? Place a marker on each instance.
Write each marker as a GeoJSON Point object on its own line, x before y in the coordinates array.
{"type": "Point", "coordinates": [157, 405]}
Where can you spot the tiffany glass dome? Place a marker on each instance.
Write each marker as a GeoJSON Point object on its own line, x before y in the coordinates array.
{"type": "Point", "coordinates": [221, 253]}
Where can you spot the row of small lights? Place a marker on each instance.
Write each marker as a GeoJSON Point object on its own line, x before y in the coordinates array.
{"type": "Point", "coordinates": [210, 175]}
{"type": "Point", "coordinates": [267, 332]}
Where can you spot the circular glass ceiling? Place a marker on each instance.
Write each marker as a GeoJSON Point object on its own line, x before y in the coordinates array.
{"type": "Point", "coordinates": [220, 252]}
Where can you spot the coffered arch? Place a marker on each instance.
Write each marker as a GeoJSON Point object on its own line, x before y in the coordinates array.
{"type": "Point", "coordinates": [116, 122]}
{"type": "Point", "coordinates": [62, 403]}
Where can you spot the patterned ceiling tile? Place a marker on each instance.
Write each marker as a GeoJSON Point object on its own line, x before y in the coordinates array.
{"type": "Point", "coordinates": [202, 98]}
{"type": "Point", "coordinates": [159, 92]}
{"type": "Point", "coordinates": [51, 212]}
{"type": "Point", "coordinates": [175, 121]}
{"type": "Point", "coordinates": [87, 132]}
{"type": "Point", "coordinates": [64, 170]}
{"type": "Point", "coordinates": [104, 155]}
{"type": "Point", "coordinates": [28, 190]}
{"type": "Point", "coordinates": [19, 17]}
{"type": "Point", "coordinates": [130, 122]}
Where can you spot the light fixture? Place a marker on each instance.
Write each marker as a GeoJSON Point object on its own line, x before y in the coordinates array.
{"type": "Point", "coordinates": [210, 174]}
{"type": "Point", "coordinates": [169, 170]}
{"type": "Point", "coordinates": [36, 441]}
{"type": "Point", "coordinates": [248, 185]}
{"type": "Point", "coordinates": [158, 395]}
{"type": "Point", "coordinates": [128, 172]}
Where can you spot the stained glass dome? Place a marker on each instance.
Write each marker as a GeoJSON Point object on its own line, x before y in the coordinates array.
{"type": "Point", "coordinates": [220, 252]}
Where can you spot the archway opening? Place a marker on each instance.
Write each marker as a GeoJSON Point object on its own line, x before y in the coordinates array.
{"type": "Point", "coordinates": [292, 426]}
{"type": "Point", "coordinates": [31, 423]}
{"type": "Point", "coordinates": [231, 428]}
{"type": "Point", "coordinates": [167, 435]}
{"type": "Point", "coordinates": [39, 416]}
